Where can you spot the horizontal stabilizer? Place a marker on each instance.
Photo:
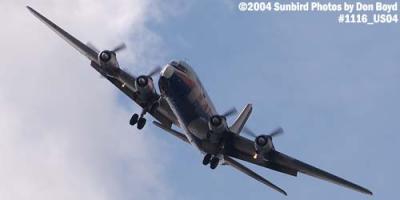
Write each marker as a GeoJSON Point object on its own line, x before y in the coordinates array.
{"type": "Point", "coordinates": [172, 132]}
{"type": "Point", "coordinates": [252, 174]}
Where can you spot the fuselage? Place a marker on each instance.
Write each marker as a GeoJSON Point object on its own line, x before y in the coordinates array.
{"type": "Point", "coordinates": [189, 101]}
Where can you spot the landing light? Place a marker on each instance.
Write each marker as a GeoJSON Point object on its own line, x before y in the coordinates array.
{"type": "Point", "coordinates": [255, 156]}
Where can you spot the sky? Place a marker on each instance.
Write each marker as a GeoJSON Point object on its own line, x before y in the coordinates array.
{"type": "Point", "coordinates": [65, 134]}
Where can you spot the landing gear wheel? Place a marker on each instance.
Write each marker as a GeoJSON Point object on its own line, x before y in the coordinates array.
{"type": "Point", "coordinates": [207, 159]}
{"type": "Point", "coordinates": [141, 122]}
{"type": "Point", "coordinates": [214, 162]}
{"type": "Point", "coordinates": [134, 119]}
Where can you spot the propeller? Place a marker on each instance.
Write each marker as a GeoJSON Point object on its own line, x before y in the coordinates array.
{"type": "Point", "coordinates": [230, 112]}
{"type": "Point", "coordinates": [274, 133]}
{"type": "Point", "coordinates": [120, 47]}
{"type": "Point", "coordinates": [216, 120]}
{"type": "Point", "coordinates": [263, 143]}
{"type": "Point", "coordinates": [93, 47]}
{"type": "Point", "coordinates": [155, 71]}
{"type": "Point", "coordinates": [116, 49]}
{"type": "Point", "coordinates": [143, 80]}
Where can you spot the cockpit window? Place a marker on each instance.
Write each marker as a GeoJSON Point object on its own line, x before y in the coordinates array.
{"type": "Point", "coordinates": [173, 63]}
{"type": "Point", "coordinates": [180, 65]}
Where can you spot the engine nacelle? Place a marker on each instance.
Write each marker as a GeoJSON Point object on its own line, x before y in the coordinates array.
{"type": "Point", "coordinates": [217, 125]}
{"type": "Point", "coordinates": [145, 88]}
{"type": "Point", "coordinates": [109, 63]}
{"type": "Point", "coordinates": [263, 145]}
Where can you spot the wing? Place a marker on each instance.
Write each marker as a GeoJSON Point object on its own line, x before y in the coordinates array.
{"type": "Point", "coordinates": [163, 113]}
{"type": "Point", "coordinates": [252, 174]}
{"type": "Point", "coordinates": [243, 148]}
{"type": "Point", "coordinates": [305, 168]}
{"type": "Point", "coordinates": [78, 45]}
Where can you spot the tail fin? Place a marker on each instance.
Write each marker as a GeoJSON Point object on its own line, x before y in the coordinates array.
{"type": "Point", "coordinates": [239, 123]}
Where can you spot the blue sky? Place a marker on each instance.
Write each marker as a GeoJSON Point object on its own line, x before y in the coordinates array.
{"type": "Point", "coordinates": [332, 87]}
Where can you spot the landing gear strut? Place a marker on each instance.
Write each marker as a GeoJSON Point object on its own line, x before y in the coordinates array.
{"type": "Point", "coordinates": [139, 119]}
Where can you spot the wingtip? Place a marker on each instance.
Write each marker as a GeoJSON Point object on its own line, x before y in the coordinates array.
{"type": "Point", "coordinates": [33, 11]}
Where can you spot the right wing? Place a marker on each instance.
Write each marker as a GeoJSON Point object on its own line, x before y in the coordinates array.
{"type": "Point", "coordinates": [163, 113]}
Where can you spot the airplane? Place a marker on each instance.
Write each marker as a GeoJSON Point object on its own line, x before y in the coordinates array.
{"type": "Point", "coordinates": [184, 103]}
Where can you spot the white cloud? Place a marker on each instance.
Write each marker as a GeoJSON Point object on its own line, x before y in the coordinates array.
{"type": "Point", "coordinates": [62, 133]}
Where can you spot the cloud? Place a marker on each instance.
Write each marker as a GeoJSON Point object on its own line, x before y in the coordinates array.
{"type": "Point", "coordinates": [63, 133]}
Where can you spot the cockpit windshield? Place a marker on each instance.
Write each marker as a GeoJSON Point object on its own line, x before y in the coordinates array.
{"type": "Point", "coordinates": [182, 66]}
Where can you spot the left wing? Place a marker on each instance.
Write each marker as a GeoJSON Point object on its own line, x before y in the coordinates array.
{"type": "Point", "coordinates": [243, 148]}
{"type": "Point", "coordinates": [285, 160]}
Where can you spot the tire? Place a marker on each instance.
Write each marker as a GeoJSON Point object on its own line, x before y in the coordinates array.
{"type": "Point", "coordinates": [141, 123]}
{"type": "Point", "coordinates": [207, 159]}
{"type": "Point", "coordinates": [134, 119]}
{"type": "Point", "coordinates": [214, 162]}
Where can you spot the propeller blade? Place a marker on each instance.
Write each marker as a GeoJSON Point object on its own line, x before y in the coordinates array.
{"type": "Point", "coordinates": [230, 112]}
{"type": "Point", "coordinates": [93, 47]}
{"type": "Point", "coordinates": [276, 132]}
{"type": "Point", "coordinates": [249, 132]}
{"type": "Point", "coordinates": [120, 47]}
{"type": "Point", "coordinates": [155, 71]}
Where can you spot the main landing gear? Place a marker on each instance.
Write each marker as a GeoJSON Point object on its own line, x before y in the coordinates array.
{"type": "Point", "coordinates": [140, 121]}
{"type": "Point", "coordinates": [212, 160]}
